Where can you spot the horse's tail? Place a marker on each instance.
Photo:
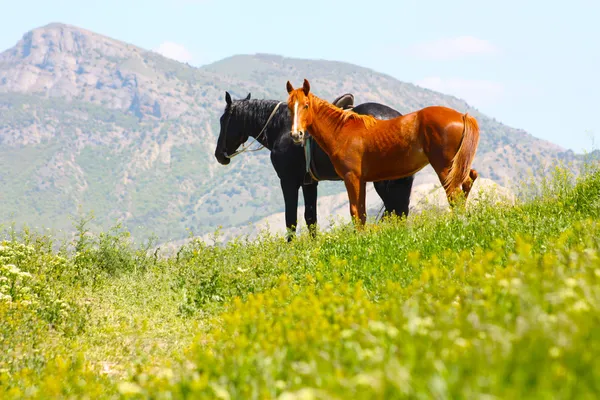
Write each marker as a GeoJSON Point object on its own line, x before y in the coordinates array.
{"type": "Point", "coordinates": [461, 163]}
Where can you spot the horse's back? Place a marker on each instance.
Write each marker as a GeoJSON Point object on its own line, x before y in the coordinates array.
{"type": "Point", "coordinates": [377, 110]}
{"type": "Point", "coordinates": [321, 163]}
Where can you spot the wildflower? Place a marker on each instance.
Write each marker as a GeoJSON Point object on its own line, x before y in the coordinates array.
{"type": "Point", "coordinates": [346, 333]}
{"type": "Point", "coordinates": [580, 306]}
{"type": "Point", "coordinates": [129, 388]}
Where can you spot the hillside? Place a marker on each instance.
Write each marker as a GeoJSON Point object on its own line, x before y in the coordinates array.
{"type": "Point", "coordinates": [496, 302]}
{"type": "Point", "coordinates": [89, 123]}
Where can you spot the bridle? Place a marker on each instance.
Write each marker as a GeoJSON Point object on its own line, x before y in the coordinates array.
{"type": "Point", "coordinates": [247, 147]}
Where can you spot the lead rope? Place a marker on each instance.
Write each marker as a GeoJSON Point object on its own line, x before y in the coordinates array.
{"type": "Point", "coordinates": [247, 148]}
{"type": "Point", "coordinates": [307, 158]}
{"type": "Point", "coordinates": [381, 211]}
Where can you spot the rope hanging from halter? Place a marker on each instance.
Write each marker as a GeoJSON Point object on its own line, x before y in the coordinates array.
{"type": "Point", "coordinates": [308, 158]}
{"type": "Point", "coordinates": [247, 147]}
{"type": "Point", "coordinates": [380, 212]}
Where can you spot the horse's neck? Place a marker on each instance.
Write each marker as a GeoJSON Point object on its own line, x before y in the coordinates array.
{"type": "Point", "coordinates": [264, 138]}
{"type": "Point", "coordinates": [326, 124]}
{"type": "Point", "coordinates": [266, 131]}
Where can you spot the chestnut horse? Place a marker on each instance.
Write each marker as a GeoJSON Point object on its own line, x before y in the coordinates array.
{"type": "Point", "coordinates": [365, 149]}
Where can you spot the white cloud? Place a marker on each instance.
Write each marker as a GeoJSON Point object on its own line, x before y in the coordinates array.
{"type": "Point", "coordinates": [452, 48]}
{"type": "Point", "coordinates": [477, 92]}
{"type": "Point", "coordinates": [174, 51]}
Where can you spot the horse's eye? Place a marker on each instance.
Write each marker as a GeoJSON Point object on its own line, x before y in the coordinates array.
{"type": "Point", "coordinates": [306, 106]}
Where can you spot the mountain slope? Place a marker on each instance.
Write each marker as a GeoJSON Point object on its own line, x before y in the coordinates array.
{"type": "Point", "coordinates": [89, 123]}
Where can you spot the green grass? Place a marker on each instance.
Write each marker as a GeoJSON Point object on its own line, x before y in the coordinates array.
{"type": "Point", "coordinates": [495, 301]}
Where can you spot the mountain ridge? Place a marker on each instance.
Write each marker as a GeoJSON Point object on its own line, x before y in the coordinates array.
{"type": "Point", "coordinates": [92, 123]}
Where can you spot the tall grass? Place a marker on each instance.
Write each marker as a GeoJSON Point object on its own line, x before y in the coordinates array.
{"type": "Point", "coordinates": [492, 301]}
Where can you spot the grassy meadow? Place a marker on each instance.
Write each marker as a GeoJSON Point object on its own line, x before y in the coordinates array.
{"type": "Point", "coordinates": [495, 301]}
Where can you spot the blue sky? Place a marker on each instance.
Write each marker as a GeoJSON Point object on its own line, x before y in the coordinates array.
{"type": "Point", "coordinates": [527, 64]}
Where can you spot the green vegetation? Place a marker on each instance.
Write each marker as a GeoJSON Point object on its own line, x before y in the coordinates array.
{"type": "Point", "coordinates": [493, 301]}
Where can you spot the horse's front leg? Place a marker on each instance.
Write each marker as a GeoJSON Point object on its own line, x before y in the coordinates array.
{"type": "Point", "coordinates": [356, 196]}
{"type": "Point", "coordinates": [290, 197]}
{"type": "Point", "coordinates": [310, 207]}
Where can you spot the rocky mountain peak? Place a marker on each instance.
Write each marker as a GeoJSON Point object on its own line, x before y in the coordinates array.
{"type": "Point", "coordinates": [64, 61]}
{"type": "Point", "coordinates": [43, 45]}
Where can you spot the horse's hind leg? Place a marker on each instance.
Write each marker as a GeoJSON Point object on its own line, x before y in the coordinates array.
{"type": "Point", "coordinates": [468, 183]}
{"type": "Point", "coordinates": [453, 191]}
{"type": "Point", "coordinates": [399, 192]}
{"type": "Point", "coordinates": [466, 187]}
{"type": "Point", "coordinates": [395, 195]}
{"type": "Point", "coordinates": [383, 190]}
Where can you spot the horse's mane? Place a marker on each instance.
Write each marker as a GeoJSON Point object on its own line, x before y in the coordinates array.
{"type": "Point", "coordinates": [339, 117]}
{"type": "Point", "coordinates": [253, 114]}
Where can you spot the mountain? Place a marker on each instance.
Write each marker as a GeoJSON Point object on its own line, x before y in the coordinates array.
{"type": "Point", "coordinates": [89, 123]}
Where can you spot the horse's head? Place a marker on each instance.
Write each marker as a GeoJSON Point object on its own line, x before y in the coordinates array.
{"type": "Point", "coordinates": [232, 134]}
{"type": "Point", "coordinates": [300, 111]}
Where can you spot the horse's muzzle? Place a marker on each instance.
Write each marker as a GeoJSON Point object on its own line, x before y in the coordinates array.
{"type": "Point", "coordinates": [222, 158]}
{"type": "Point", "coordinates": [298, 137]}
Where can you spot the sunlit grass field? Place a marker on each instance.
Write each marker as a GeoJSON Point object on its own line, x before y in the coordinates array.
{"type": "Point", "coordinates": [496, 301]}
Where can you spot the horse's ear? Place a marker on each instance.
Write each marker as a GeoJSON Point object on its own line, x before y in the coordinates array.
{"type": "Point", "coordinates": [248, 97]}
{"type": "Point", "coordinates": [306, 87]}
{"type": "Point", "coordinates": [228, 98]}
{"type": "Point", "coordinates": [289, 87]}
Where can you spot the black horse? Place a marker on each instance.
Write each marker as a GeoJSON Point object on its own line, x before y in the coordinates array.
{"type": "Point", "coordinates": [270, 124]}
